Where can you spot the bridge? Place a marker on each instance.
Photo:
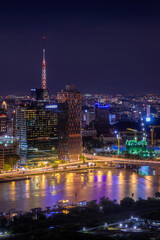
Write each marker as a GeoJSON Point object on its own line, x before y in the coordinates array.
{"type": "Point", "coordinates": [118, 160]}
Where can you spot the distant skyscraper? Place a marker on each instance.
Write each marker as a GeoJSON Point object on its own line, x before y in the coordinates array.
{"type": "Point", "coordinates": [70, 134]}
{"type": "Point", "coordinates": [21, 131]}
{"type": "Point", "coordinates": [148, 109]}
{"type": "Point", "coordinates": [3, 123]}
{"type": "Point", "coordinates": [9, 106]}
{"type": "Point", "coordinates": [101, 118]}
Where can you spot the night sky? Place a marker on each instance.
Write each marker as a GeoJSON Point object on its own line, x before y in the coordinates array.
{"type": "Point", "coordinates": [101, 46]}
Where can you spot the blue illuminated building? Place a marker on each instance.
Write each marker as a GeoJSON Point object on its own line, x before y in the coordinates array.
{"type": "Point", "coordinates": [101, 106]}
{"type": "Point", "coordinates": [101, 118]}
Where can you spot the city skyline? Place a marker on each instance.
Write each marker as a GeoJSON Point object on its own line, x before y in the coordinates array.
{"type": "Point", "coordinates": [80, 119]}
{"type": "Point", "coordinates": [100, 47]}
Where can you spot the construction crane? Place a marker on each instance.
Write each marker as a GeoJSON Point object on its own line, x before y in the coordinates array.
{"type": "Point", "coordinates": [132, 130]}
{"type": "Point", "coordinates": [152, 133]}
{"type": "Point", "coordinates": [128, 130]}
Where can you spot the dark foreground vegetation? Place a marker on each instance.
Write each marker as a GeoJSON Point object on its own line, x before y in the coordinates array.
{"type": "Point", "coordinates": [65, 225]}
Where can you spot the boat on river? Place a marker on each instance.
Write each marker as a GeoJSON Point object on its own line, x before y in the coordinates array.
{"type": "Point", "coordinates": [64, 203]}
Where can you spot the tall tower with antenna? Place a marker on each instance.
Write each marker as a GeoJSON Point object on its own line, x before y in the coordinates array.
{"type": "Point", "coordinates": [44, 80]}
{"type": "Point", "coordinates": [41, 95]}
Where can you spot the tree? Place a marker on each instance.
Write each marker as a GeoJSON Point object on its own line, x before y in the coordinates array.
{"type": "Point", "coordinates": [57, 161]}
{"type": "Point", "coordinates": [93, 206]}
{"type": "Point", "coordinates": [108, 205]}
{"type": "Point", "coordinates": [55, 166]}
{"type": "Point", "coordinates": [7, 167]}
{"type": "Point", "coordinates": [127, 202]}
{"type": "Point", "coordinates": [82, 158]}
{"type": "Point", "coordinates": [157, 194]}
{"type": "Point", "coordinates": [63, 161]}
{"type": "Point", "coordinates": [11, 159]}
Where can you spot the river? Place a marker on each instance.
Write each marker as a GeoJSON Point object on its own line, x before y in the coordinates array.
{"type": "Point", "coordinates": [46, 190]}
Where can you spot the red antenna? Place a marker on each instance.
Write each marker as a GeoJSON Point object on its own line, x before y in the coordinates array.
{"type": "Point", "coordinates": [44, 80]}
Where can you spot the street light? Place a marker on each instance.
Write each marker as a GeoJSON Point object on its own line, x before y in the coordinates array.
{"type": "Point", "coordinates": [105, 225]}
{"type": "Point", "coordinates": [118, 138]}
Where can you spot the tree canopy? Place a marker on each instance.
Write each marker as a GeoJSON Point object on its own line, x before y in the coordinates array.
{"type": "Point", "coordinates": [11, 159]}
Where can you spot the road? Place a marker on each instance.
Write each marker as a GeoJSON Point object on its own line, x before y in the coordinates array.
{"type": "Point", "coordinates": [118, 160]}
{"type": "Point", "coordinates": [73, 165]}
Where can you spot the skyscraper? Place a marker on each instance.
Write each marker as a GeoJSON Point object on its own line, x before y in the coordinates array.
{"type": "Point", "coordinates": [101, 118]}
{"type": "Point", "coordinates": [21, 131]}
{"type": "Point", "coordinates": [3, 123]}
{"type": "Point", "coordinates": [42, 124]}
{"type": "Point", "coordinates": [70, 136]}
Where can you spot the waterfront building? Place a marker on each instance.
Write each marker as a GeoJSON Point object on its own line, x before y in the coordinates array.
{"type": "Point", "coordinates": [21, 131]}
{"type": "Point", "coordinates": [8, 146]}
{"type": "Point", "coordinates": [70, 134]}
{"type": "Point", "coordinates": [42, 126]}
{"type": "Point", "coordinates": [101, 118]}
{"type": "Point", "coordinates": [10, 112]}
{"type": "Point", "coordinates": [8, 106]}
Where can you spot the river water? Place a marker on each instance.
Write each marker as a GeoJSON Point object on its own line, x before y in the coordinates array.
{"type": "Point", "coordinates": [46, 190]}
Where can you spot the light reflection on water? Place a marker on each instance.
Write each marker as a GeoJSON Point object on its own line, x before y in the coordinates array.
{"type": "Point", "coordinates": [46, 190]}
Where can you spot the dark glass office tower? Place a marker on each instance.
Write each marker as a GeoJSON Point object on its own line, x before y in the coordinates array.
{"type": "Point", "coordinates": [70, 137]}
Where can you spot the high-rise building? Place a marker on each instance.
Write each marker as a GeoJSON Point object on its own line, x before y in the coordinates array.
{"type": "Point", "coordinates": [9, 109]}
{"type": "Point", "coordinates": [42, 126]}
{"type": "Point", "coordinates": [101, 118]}
{"type": "Point", "coordinates": [70, 134]}
{"type": "Point", "coordinates": [21, 131]}
{"type": "Point", "coordinates": [39, 96]}
{"type": "Point", "coordinates": [87, 118]}
{"type": "Point", "coordinates": [148, 113]}
{"type": "Point", "coordinates": [3, 123]}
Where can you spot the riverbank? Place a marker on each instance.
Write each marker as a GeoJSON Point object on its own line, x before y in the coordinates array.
{"type": "Point", "coordinates": [21, 176]}
{"type": "Point", "coordinates": [10, 179]}
{"type": "Point", "coordinates": [128, 220]}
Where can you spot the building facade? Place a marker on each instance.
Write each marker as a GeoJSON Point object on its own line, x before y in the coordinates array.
{"type": "Point", "coordinates": [3, 123]}
{"type": "Point", "coordinates": [21, 131]}
{"type": "Point", "coordinates": [42, 126]}
{"type": "Point", "coordinates": [70, 133]}
{"type": "Point", "coordinates": [8, 146]}
{"type": "Point", "coordinates": [101, 118]}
